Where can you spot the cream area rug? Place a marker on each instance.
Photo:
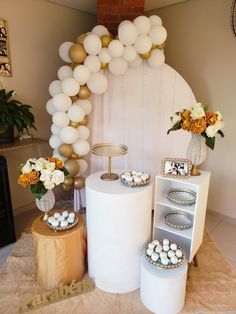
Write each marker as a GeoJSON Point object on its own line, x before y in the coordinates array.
{"type": "Point", "coordinates": [211, 287]}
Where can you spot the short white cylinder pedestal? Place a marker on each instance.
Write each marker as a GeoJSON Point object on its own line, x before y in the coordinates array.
{"type": "Point", "coordinates": [118, 226]}
{"type": "Point", "coordinates": [163, 291]}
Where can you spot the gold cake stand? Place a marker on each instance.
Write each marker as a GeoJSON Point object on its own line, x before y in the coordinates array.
{"type": "Point", "coordinates": [109, 150]}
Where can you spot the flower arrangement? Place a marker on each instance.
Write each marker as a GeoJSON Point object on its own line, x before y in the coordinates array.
{"type": "Point", "coordinates": [199, 120]}
{"type": "Point", "coordinates": [42, 174]}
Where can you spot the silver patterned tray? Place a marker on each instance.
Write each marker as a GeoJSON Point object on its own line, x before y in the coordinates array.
{"type": "Point", "coordinates": [178, 219]}
{"type": "Point", "coordinates": [135, 184]}
{"type": "Point", "coordinates": [169, 266]}
{"type": "Point", "coordinates": [181, 196]}
{"type": "Point", "coordinates": [70, 226]}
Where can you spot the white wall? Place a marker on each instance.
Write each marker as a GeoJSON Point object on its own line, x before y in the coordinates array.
{"type": "Point", "coordinates": [202, 48]}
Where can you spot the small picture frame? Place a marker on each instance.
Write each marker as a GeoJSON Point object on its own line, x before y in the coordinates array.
{"type": "Point", "coordinates": [176, 167]}
{"type": "Point", "coordinates": [5, 61]}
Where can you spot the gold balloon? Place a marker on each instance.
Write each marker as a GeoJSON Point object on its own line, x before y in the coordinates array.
{"type": "Point", "coordinates": [74, 65]}
{"type": "Point", "coordinates": [68, 181]}
{"type": "Point", "coordinates": [146, 55]}
{"type": "Point", "coordinates": [80, 39]}
{"type": "Point", "coordinates": [84, 92]}
{"type": "Point", "coordinates": [77, 53]}
{"type": "Point", "coordinates": [105, 39]}
{"type": "Point", "coordinates": [79, 183]}
{"type": "Point", "coordinates": [65, 150]}
{"type": "Point", "coordinates": [85, 121]}
{"type": "Point", "coordinates": [74, 98]}
{"type": "Point", "coordinates": [104, 66]}
{"type": "Point", "coordinates": [72, 166]}
{"type": "Point", "coordinates": [74, 125]}
{"type": "Point", "coordinates": [154, 46]}
{"type": "Point", "coordinates": [161, 46]}
{"type": "Point", "coordinates": [66, 187]}
{"type": "Point", "coordinates": [75, 156]}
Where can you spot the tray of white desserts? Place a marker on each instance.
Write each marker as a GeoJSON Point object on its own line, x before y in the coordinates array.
{"type": "Point", "coordinates": [164, 254]}
{"type": "Point", "coordinates": [135, 178]}
{"type": "Point", "coordinates": [61, 221]}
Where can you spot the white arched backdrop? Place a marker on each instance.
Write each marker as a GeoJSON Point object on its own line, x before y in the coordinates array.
{"type": "Point", "coordinates": [136, 111]}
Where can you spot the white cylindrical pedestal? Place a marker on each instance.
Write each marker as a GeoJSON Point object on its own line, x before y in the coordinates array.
{"type": "Point", "coordinates": [118, 226]}
{"type": "Point", "coordinates": [163, 291]}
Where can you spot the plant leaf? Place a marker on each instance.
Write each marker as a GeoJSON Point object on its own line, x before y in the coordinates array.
{"type": "Point", "coordinates": [175, 127]}
{"type": "Point", "coordinates": [38, 190]}
{"type": "Point", "coordinates": [221, 133]}
{"type": "Point", "coordinates": [210, 142]}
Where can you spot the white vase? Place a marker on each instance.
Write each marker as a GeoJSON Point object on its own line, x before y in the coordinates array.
{"type": "Point", "coordinates": [46, 203]}
{"type": "Point", "coordinates": [196, 152]}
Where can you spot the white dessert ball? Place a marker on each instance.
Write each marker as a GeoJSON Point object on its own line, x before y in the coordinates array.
{"type": "Point", "coordinates": [165, 261]}
{"type": "Point", "coordinates": [151, 246]}
{"type": "Point", "coordinates": [154, 257]}
{"type": "Point", "coordinates": [51, 219]}
{"type": "Point", "coordinates": [129, 179]}
{"type": "Point", "coordinates": [171, 253]}
{"type": "Point", "coordinates": [55, 223]}
{"type": "Point", "coordinates": [166, 248]}
{"type": "Point", "coordinates": [137, 179]}
{"type": "Point", "coordinates": [65, 214]}
{"type": "Point", "coordinates": [173, 246]}
{"type": "Point", "coordinates": [174, 260]}
{"type": "Point", "coordinates": [61, 218]}
{"type": "Point", "coordinates": [133, 172]}
{"type": "Point", "coordinates": [178, 253]}
{"type": "Point", "coordinates": [156, 242]}
{"type": "Point", "coordinates": [149, 252]}
{"type": "Point", "coordinates": [70, 220]}
{"type": "Point", "coordinates": [64, 223]}
{"type": "Point", "coordinates": [158, 248]}
{"type": "Point", "coordinates": [56, 215]}
{"type": "Point", "coordinates": [166, 242]}
{"type": "Point", "coordinates": [72, 215]}
{"type": "Point", "coordinates": [163, 255]}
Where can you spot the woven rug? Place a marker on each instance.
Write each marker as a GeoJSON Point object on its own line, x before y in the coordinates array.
{"type": "Point", "coordinates": [211, 288]}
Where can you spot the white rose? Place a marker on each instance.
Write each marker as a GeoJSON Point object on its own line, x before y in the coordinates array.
{"type": "Point", "coordinates": [49, 185]}
{"type": "Point", "coordinates": [58, 177]}
{"type": "Point", "coordinates": [26, 168]}
{"type": "Point", "coordinates": [50, 166]}
{"type": "Point", "coordinates": [197, 112]}
{"type": "Point", "coordinates": [39, 165]}
{"type": "Point", "coordinates": [211, 130]}
{"type": "Point", "coordinates": [219, 116]}
{"type": "Point", "coordinates": [176, 118]}
{"type": "Point", "coordinates": [45, 175]}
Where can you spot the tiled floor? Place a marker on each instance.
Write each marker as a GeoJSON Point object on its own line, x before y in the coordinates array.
{"type": "Point", "coordinates": [223, 232]}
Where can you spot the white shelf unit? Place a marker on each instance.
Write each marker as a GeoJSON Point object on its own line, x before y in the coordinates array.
{"type": "Point", "coordinates": [189, 239]}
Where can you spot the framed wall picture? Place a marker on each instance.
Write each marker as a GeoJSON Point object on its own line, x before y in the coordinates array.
{"type": "Point", "coordinates": [5, 62]}
{"type": "Point", "coordinates": [176, 167]}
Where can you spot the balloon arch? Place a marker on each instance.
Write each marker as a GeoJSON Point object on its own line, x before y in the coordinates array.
{"type": "Point", "coordinates": [92, 53]}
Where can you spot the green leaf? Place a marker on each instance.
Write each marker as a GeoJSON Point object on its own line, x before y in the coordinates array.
{"type": "Point", "coordinates": [210, 142]}
{"type": "Point", "coordinates": [205, 107]}
{"type": "Point", "coordinates": [38, 190]}
{"type": "Point", "coordinates": [175, 127]}
{"type": "Point", "coordinates": [65, 171]}
{"type": "Point", "coordinates": [221, 133]}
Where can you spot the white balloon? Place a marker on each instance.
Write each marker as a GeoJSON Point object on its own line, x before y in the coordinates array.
{"type": "Point", "coordinates": [104, 55]}
{"type": "Point", "coordinates": [55, 129]}
{"type": "Point", "coordinates": [98, 83]}
{"type": "Point", "coordinates": [69, 135]}
{"type": "Point", "coordinates": [83, 132]}
{"type": "Point", "coordinates": [157, 58]}
{"type": "Point", "coordinates": [93, 63]}
{"type": "Point", "coordinates": [70, 86]}
{"type": "Point", "coordinates": [127, 33]}
{"type": "Point", "coordinates": [56, 154]}
{"type": "Point", "coordinates": [85, 104]}
{"type": "Point", "coordinates": [92, 44]}
{"type": "Point", "coordinates": [129, 54]}
{"type": "Point", "coordinates": [63, 51]}
{"type": "Point", "coordinates": [155, 20]}
{"type": "Point", "coordinates": [143, 44]}
{"type": "Point", "coordinates": [122, 23]}
{"type": "Point", "coordinates": [76, 113]}
{"type": "Point", "coordinates": [143, 24]}
{"type": "Point", "coordinates": [81, 74]}
{"type": "Point", "coordinates": [136, 62]}
{"type": "Point", "coordinates": [55, 141]}
{"type": "Point", "coordinates": [55, 88]}
{"type": "Point", "coordinates": [61, 119]}
{"type": "Point", "coordinates": [100, 30]}
{"type": "Point", "coordinates": [81, 147]}
{"type": "Point", "coordinates": [61, 102]}
{"type": "Point", "coordinates": [83, 165]}
{"type": "Point", "coordinates": [117, 66]}
{"type": "Point", "coordinates": [115, 48]}
{"type": "Point", "coordinates": [64, 72]}
{"type": "Point", "coordinates": [50, 107]}
{"type": "Point", "coordinates": [158, 35]}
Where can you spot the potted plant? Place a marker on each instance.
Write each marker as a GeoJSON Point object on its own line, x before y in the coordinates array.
{"type": "Point", "coordinates": [13, 114]}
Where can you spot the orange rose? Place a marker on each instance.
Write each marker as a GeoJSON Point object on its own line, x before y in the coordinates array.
{"type": "Point", "coordinates": [59, 164]}
{"type": "Point", "coordinates": [48, 159]}
{"type": "Point", "coordinates": [23, 180]}
{"type": "Point", "coordinates": [185, 125]}
{"type": "Point", "coordinates": [33, 177]}
{"type": "Point", "coordinates": [186, 114]}
{"type": "Point", "coordinates": [211, 118]}
{"type": "Point", "coordinates": [197, 126]}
